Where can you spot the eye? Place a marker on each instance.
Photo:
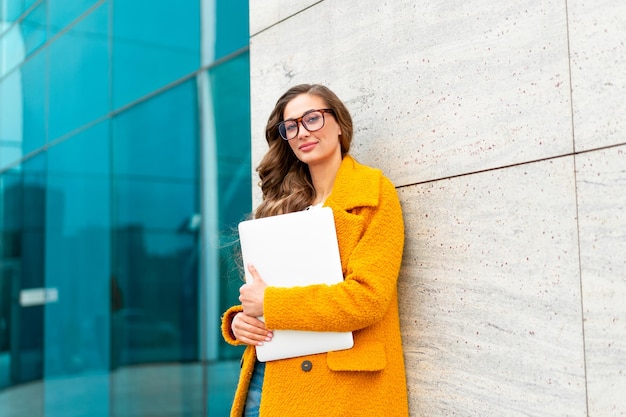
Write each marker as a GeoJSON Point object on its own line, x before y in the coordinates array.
{"type": "Point", "coordinates": [312, 118]}
{"type": "Point", "coordinates": [290, 127]}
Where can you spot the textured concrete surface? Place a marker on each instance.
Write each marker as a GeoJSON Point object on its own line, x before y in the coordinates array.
{"type": "Point", "coordinates": [490, 294]}
{"type": "Point", "coordinates": [502, 125]}
{"type": "Point", "coordinates": [598, 62]}
{"type": "Point", "coordinates": [601, 184]}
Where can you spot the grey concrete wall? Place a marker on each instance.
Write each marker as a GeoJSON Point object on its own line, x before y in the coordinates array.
{"type": "Point", "coordinates": [503, 125]}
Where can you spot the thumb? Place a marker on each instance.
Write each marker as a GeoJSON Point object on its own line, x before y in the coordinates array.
{"type": "Point", "coordinates": [255, 274]}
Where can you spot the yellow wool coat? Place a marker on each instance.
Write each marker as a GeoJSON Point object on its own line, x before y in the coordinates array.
{"type": "Point", "coordinates": [368, 379]}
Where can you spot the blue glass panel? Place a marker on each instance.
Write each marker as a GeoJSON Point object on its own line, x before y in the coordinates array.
{"type": "Point", "coordinates": [13, 48]}
{"type": "Point", "coordinates": [21, 328]}
{"type": "Point", "coordinates": [231, 26]}
{"type": "Point", "coordinates": [156, 252]}
{"type": "Point", "coordinates": [22, 111]}
{"type": "Point", "coordinates": [34, 28]}
{"type": "Point", "coordinates": [230, 90]}
{"type": "Point", "coordinates": [79, 81]}
{"type": "Point", "coordinates": [158, 138]}
{"type": "Point", "coordinates": [230, 87]}
{"type": "Point", "coordinates": [34, 115]}
{"type": "Point", "coordinates": [63, 12]}
{"type": "Point", "coordinates": [12, 9]}
{"type": "Point", "coordinates": [29, 3]}
{"type": "Point", "coordinates": [157, 278]}
{"type": "Point", "coordinates": [20, 40]}
{"type": "Point", "coordinates": [160, 43]}
{"type": "Point", "coordinates": [85, 155]}
{"type": "Point", "coordinates": [154, 204]}
{"type": "Point", "coordinates": [78, 222]}
{"type": "Point", "coordinates": [11, 119]}
{"type": "Point", "coordinates": [22, 257]}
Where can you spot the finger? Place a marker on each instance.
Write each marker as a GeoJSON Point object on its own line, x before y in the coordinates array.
{"type": "Point", "coordinates": [246, 323]}
{"type": "Point", "coordinates": [253, 271]}
{"type": "Point", "coordinates": [251, 337]}
{"type": "Point", "coordinates": [251, 328]}
{"type": "Point", "coordinates": [257, 323]}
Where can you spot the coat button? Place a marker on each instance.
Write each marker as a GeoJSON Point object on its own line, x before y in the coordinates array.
{"type": "Point", "coordinates": [306, 366]}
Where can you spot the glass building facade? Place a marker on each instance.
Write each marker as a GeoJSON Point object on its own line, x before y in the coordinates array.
{"type": "Point", "coordinates": [124, 170]}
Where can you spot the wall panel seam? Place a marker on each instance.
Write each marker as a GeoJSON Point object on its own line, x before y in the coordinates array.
{"type": "Point", "coordinates": [580, 267]}
{"type": "Point", "coordinates": [480, 171]}
{"type": "Point", "coordinates": [252, 35]}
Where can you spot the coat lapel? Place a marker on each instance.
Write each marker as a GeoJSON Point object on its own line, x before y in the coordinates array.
{"type": "Point", "coordinates": [356, 186]}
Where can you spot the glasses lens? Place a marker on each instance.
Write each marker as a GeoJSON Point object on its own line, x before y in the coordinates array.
{"type": "Point", "coordinates": [288, 129]}
{"type": "Point", "coordinates": [313, 121]}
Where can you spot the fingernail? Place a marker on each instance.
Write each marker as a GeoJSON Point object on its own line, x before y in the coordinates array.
{"type": "Point", "coordinates": [260, 344]}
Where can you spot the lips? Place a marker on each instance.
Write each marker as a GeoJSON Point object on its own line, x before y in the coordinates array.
{"type": "Point", "coordinates": [307, 146]}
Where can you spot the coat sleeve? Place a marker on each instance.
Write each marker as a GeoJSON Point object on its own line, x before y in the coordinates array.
{"type": "Point", "coordinates": [227, 321]}
{"type": "Point", "coordinates": [370, 282]}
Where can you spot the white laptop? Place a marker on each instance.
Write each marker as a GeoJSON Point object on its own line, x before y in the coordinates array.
{"type": "Point", "coordinates": [295, 249]}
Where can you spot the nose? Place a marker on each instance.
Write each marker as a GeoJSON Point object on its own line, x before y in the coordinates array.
{"type": "Point", "coordinates": [302, 131]}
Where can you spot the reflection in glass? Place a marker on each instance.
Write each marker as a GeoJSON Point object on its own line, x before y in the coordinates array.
{"type": "Point", "coordinates": [79, 82]}
{"type": "Point", "coordinates": [12, 46]}
{"type": "Point", "coordinates": [100, 211]}
{"type": "Point", "coordinates": [63, 13]}
{"type": "Point", "coordinates": [230, 90]}
{"type": "Point", "coordinates": [21, 325]}
{"type": "Point", "coordinates": [78, 246]}
{"type": "Point", "coordinates": [153, 42]}
{"type": "Point", "coordinates": [231, 27]}
{"type": "Point", "coordinates": [34, 28]}
{"type": "Point", "coordinates": [158, 138]}
{"type": "Point", "coordinates": [156, 194]}
{"type": "Point", "coordinates": [78, 267]}
{"type": "Point", "coordinates": [11, 119]}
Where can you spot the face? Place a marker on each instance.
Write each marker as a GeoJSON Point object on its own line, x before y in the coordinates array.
{"type": "Point", "coordinates": [321, 146]}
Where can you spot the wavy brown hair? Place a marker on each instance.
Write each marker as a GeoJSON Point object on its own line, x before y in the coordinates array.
{"type": "Point", "coordinates": [285, 180]}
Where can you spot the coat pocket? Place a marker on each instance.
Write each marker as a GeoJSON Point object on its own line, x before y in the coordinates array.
{"type": "Point", "coordinates": [366, 357]}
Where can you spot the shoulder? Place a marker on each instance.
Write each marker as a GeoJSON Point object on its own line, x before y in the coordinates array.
{"type": "Point", "coordinates": [357, 184]}
{"type": "Point", "coordinates": [354, 168]}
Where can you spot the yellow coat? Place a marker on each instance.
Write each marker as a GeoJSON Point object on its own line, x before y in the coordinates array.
{"type": "Point", "coordinates": [368, 379]}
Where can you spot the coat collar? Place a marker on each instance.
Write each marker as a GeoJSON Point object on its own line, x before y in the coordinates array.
{"type": "Point", "coordinates": [355, 185]}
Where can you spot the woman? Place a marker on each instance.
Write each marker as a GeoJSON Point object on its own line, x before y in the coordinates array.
{"type": "Point", "coordinates": [309, 134]}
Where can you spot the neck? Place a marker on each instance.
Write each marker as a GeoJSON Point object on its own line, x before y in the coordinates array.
{"type": "Point", "coordinates": [323, 177]}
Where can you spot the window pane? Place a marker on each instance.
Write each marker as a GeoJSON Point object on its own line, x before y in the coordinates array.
{"type": "Point", "coordinates": [23, 196]}
{"type": "Point", "coordinates": [22, 105]}
{"type": "Point", "coordinates": [231, 27]}
{"type": "Point", "coordinates": [156, 257]}
{"type": "Point", "coordinates": [230, 93]}
{"type": "Point", "coordinates": [22, 39]}
{"type": "Point", "coordinates": [156, 251]}
{"type": "Point", "coordinates": [34, 28]}
{"type": "Point", "coordinates": [155, 44]}
{"type": "Point", "coordinates": [63, 12]}
{"type": "Point", "coordinates": [78, 267]}
{"type": "Point", "coordinates": [12, 9]}
{"type": "Point", "coordinates": [159, 138]}
{"type": "Point", "coordinates": [79, 87]}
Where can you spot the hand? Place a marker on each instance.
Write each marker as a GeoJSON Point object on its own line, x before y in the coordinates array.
{"type": "Point", "coordinates": [250, 330]}
{"type": "Point", "coordinates": [251, 294]}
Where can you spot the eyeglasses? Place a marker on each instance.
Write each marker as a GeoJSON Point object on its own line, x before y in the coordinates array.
{"type": "Point", "coordinates": [312, 120]}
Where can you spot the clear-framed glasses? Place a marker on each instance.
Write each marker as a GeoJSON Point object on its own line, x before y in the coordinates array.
{"type": "Point", "coordinates": [312, 121]}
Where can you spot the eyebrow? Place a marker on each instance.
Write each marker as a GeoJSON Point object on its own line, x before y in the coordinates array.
{"type": "Point", "coordinates": [294, 118]}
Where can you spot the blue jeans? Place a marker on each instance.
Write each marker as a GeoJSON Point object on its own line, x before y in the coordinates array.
{"type": "Point", "coordinates": [253, 401]}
